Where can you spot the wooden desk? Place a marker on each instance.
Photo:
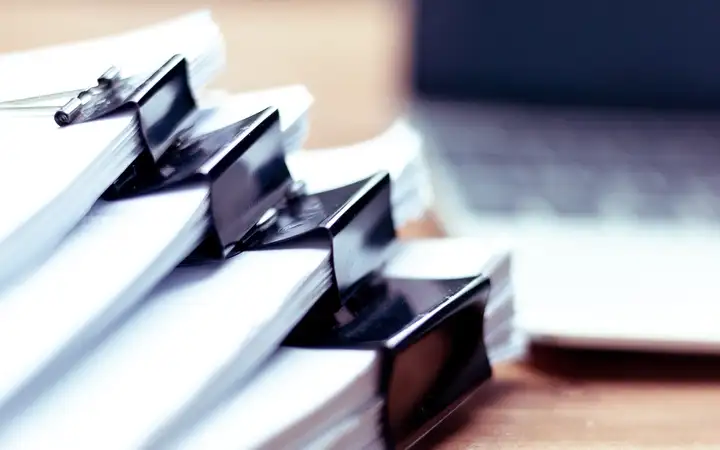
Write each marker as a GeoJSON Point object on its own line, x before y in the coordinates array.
{"type": "Point", "coordinates": [350, 53]}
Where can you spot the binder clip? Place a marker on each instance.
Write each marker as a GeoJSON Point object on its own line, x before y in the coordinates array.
{"type": "Point", "coordinates": [354, 222]}
{"type": "Point", "coordinates": [430, 333]}
{"type": "Point", "coordinates": [243, 167]}
{"type": "Point", "coordinates": [160, 102]}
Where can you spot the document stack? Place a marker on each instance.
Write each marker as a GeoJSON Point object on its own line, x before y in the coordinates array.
{"type": "Point", "coordinates": [178, 272]}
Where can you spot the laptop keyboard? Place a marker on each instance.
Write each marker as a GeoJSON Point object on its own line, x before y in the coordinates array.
{"type": "Point", "coordinates": [581, 164]}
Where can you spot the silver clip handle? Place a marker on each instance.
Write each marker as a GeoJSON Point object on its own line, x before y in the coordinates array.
{"type": "Point", "coordinates": [50, 103]}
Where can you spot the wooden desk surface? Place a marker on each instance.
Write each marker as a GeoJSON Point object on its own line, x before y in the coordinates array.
{"type": "Point", "coordinates": [351, 54]}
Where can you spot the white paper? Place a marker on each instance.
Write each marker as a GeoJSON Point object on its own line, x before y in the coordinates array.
{"type": "Point", "coordinates": [192, 326]}
{"type": "Point", "coordinates": [297, 391]}
{"type": "Point", "coordinates": [77, 65]}
{"type": "Point", "coordinates": [49, 179]}
{"type": "Point", "coordinates": [446, 258]}
{"type": "Point", "coordinates": [396, 151]}
{"type": "Point", "coordinates": [38, 163]}
{"type": "Point", "coordinates": [392, 151]}
{"type": "Point", "coordinates": [359, 431]}
{"type": "Point", "coordinates": [91, 279]}
{"type": "Point", "coordinates": [293, 103]}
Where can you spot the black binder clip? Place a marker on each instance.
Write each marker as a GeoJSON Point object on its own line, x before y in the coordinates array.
{"type": "Point", "coordinates": [243, 166]}
{"type": "Point", "coordinates": [421, 326]}
{"type": "Point", "coordinates": [354, 222]}
{"type": "Point", "coordinates": [160, 102]}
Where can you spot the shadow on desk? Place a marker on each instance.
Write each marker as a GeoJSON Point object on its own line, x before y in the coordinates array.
{"type": "Point", "coordinates": [470, 414]}
{"type": "Point", "coordinates": [625, 366]}
{"type": "Point", "coordinates": [584, 397]}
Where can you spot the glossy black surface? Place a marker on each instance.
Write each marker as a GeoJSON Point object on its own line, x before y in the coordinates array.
{"type": "Point", "coordinates": [160, 102]}
{"type": "Point", "coordinates": [242, 164]}
{"type": "Point", "coordinates": [399, 317]}
{"type": "Point", "coordinates": [354, 222]}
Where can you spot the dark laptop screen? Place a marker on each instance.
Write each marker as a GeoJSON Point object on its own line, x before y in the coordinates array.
{"type": "Point", "coordinates": [648, 53]}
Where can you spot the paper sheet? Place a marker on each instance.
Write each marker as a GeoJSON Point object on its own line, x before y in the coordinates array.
{"type": "Point", "coordinates": [396, 151]}
{"type": "Point", "coordinates": [189, 329]}
{"type": "Point", "coordinates": [359, 431]}
{"type": "Point", "coordinates": [306, 381]}
{"type": "Point", "coordinates": [92, 278]}
{"type": "Point", "coordinates": [293, 102]}
{"type": "Point", "coordinates": [49, 186]}
{"type": "Point", "coordinates": [38, 162]}
{"type": "Point", "coordinates": [444, 258]}
{"type": "Point", "coordinates": [391, 151]}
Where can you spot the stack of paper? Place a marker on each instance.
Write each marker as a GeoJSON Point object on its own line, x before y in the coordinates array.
{"type": "Point", "coordinates": [397, 150]}
{"type": "Point", "coordinates": [198, 332]}
{"type": "Point", "coordinates": [125, 248]}
{"type": "Point", "coordinates": [50, 176]}
{"type": "Point", "coordinates": [329, 394]}
{"type": "Point", "coordinates": [108, 341]}
{"type": "Point", "coordinates": [128, 243]}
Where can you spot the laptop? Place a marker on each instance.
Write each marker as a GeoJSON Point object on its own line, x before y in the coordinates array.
{"type": "Point", "coordinates": [586, 135]}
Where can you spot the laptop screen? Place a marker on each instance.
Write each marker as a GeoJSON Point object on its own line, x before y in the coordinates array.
{"type": "Point", "coordinates": [645, 53]}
